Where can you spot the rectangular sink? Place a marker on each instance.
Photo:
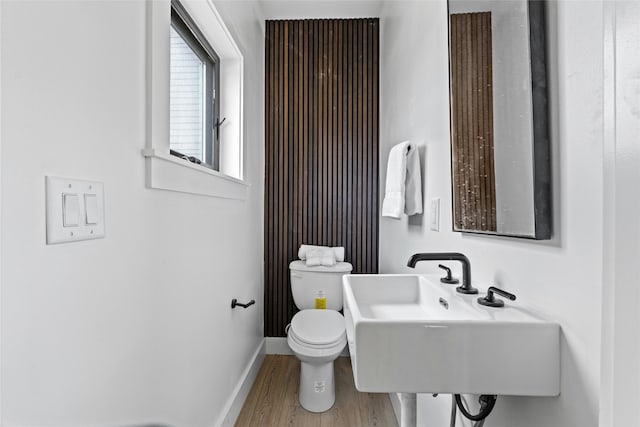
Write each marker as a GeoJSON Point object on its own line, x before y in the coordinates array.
{"type": "Point", "coordinates": [411, 333]}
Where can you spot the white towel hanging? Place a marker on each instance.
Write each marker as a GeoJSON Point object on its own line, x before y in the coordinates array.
{"type": "Point", "coordinates": [403, 190]}
{"type": "Point", "coordinates": [413, 183]}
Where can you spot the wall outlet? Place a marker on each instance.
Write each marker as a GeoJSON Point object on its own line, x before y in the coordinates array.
{"type": "Point", "coordinates": [435, 214]}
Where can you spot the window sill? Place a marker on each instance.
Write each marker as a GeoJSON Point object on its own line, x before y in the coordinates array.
{"type": "Point", "coordinates": [167, 172]}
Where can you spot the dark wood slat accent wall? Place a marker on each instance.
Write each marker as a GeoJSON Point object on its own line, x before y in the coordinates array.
{"type": "Point", "coordinates": [472, 122]}
{"type": "Point", "coordinates": [321, 149]}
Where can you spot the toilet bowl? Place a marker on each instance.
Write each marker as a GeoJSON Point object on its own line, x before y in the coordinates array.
{"type": "Point", "coordinates": [317, 336]}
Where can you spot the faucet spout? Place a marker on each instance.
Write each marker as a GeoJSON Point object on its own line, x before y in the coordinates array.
{"type": "Point", "coordinates": [466, 287]}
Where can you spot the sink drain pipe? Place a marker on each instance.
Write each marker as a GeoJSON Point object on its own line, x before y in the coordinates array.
{"type": "Point", "coordinates": [487, 402]}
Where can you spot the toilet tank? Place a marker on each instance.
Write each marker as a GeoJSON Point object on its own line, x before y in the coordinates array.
{"type": "Point", "coordinates": [308, 283]}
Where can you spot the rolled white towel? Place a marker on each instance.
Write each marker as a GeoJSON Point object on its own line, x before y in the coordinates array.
{"type": "Point", "coordinates": [325, 257]}
{"type": "Point", "coordinates": [313, 261]}
{"type": "Point", "coordinates": [304, 249]}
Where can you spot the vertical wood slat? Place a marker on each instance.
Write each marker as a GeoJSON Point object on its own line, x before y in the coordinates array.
{"type": "Point", "coordinates": [472, 122]}
{"type": "Point", "coordinates": [267, 158]}
{"type": "Point", "coordinates": [374, 197]}
{"type": "Point", "coordinates": [321, 148]}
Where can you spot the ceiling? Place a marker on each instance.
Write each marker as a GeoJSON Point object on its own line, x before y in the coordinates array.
{"type": "Point", "coordinates": [301, 9]}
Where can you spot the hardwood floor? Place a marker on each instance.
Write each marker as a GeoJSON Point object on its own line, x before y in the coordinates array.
{"type": "Point", "coordinates": [273, 399]}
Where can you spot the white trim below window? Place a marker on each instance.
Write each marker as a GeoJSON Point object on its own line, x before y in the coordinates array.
{"type": "Point", "coordinates": [167, 172]}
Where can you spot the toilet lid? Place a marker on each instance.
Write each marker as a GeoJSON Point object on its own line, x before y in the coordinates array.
{"type": "Point", "coordinates": [318, 327]}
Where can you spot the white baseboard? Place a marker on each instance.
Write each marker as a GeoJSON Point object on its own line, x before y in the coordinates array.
{"type": "Point", "coordinates": [278, 345]}
{"type": "Point", "coordinates": [234, 404]}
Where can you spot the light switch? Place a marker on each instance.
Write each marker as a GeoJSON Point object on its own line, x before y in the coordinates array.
{"type": "Point", "coordinates": [70, 210]}
{"type": "Point", "coordinates": [435, 214]}
{"type": "Point", "coordinates": [91, 208]}
{"type": "Point", "coordinates": [74, 209]}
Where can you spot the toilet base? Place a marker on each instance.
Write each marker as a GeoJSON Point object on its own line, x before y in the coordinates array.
{"type": "Point", "coordinates": [317, 391]}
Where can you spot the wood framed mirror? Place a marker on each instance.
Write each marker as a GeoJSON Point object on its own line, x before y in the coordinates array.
{"type": "Point", "coordinates": [500, 149]}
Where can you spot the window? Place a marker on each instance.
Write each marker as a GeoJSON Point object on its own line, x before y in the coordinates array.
{"type": "Point", "coordinates": [194, 92]}
{"type": "Point", "coordinates": [198, 25]}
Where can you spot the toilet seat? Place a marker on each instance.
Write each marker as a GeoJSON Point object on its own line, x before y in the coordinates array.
{"type": "Point", "coordinates": [318, 329]}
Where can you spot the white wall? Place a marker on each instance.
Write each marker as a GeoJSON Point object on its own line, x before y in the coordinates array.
{"type": "Point", "coordinates": [561, 277]}
{"type": "Point", "coordinates": [620, 390]}
{"type": "Point", "coordinates": [136, 327]}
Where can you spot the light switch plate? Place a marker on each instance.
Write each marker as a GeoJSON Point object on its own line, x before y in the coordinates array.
{"type": "Point", "coordinates": [57, 230]}
{"type": "Point", "coordinates": [435, 214]}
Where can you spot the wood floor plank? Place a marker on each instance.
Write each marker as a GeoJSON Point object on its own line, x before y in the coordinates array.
{"type": "Point", "coordinates": [273, 399]}
{"type": "Point", "coordinates": [346, 394]}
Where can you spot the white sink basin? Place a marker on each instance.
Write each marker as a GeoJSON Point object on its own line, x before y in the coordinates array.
{"type": "Point", "coordinates": [413, 334]}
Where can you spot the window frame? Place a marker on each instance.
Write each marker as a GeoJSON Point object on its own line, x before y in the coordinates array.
{"type": "Point", "coordinates": [170, 173]}
{"type": "Point", "coordinates": [184, 25]}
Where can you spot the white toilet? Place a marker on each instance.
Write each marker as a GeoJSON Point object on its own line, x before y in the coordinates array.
{"type": "Point", "coordinates": [317, 336]}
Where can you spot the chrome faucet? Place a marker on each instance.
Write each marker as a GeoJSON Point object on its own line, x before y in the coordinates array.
{"type": "Point", "coordinates": [466, 287]}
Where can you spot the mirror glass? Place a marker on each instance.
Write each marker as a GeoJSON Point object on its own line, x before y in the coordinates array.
{"type": "Point", "coordinates": [499, 138]}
